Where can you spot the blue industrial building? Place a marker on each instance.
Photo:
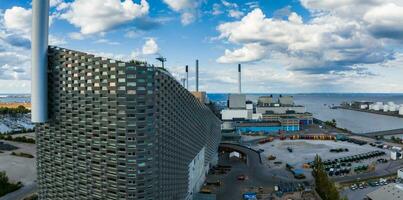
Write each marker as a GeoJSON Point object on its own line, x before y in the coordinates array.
{"type": "Point", "coordinates": [265, 127]}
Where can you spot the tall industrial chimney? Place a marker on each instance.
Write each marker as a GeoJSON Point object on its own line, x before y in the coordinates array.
{"type": "Point", "coordinates": [39, 45]}
{"type": "Point", "coordinates": [239, 79]}
{"type": "Point", "coordinates": [197, 75]}
{"type": "Point", "coordinates": [187, 77]}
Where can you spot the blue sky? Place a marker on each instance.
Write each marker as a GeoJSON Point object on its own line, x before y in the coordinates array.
{"type": "Point", "coordinates": [286, 46]}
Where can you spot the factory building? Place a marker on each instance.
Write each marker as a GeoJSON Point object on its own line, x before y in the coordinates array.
{"type": "Point", "coordinates": [286, 100]}
{"type": "Point", "coordinates": [238, 108]}
{"type": "Point", "coordinates": [282, 106]}
{"type": "Point", "coordinates": [281, 109]}
{"type": "Point", "coordinates": [265, 101]}
{"type": "Point", "coordinates": [236, 101]}
{"type": "Point", "coordinates": [267, 127]}
{"type": "Point", "coordinates": [304, 118]}
{"type": "Point", "coordinates": [120, 130]}
{"type": "Point", "coordinates": [267, 116]}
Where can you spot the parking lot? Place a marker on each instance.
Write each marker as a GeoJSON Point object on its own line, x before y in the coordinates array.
{"type": "Point", "coordinates": [296, 153]}
{"type": "Point", "coordinates": [360, 190]}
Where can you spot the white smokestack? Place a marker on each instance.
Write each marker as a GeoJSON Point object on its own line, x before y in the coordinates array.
{"type": "Point", "coordinates": [39, 45]}
{"type": "Point", "coordinates": [197, 75]}
{"type": "Point", "coordinates": [239, 79]}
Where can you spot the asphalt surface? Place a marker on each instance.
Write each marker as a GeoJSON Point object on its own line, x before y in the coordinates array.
{"type": "Point", "coordinates": [381, 170]}
{"type": "Point", "coordinates": [21, 193]}
{"type": "Point", "coordinates": [258, 175]}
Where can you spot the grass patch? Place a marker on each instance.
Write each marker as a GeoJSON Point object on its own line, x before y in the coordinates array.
{"type": "Point", "coordinates": [22, 139]}
{"type": "Point", "coordinates": [21, 154]}
{"type": "Point", "coordinates": [7, 187]}
{"type": "Point", "coordinates": [32, 197]}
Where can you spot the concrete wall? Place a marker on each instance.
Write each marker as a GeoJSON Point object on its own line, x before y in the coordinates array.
{"type": "Point", "coordinates": [237, 101]}
{"type": "Point", "coordinates": [280, 110]}
{"type": "Point", "coordinates": [230, 114]}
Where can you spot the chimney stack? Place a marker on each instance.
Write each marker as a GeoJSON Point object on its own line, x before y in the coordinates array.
{"type": "Point", "coordinates": [187, 77]}
{"type": "Point", "coordinates": [239, 79]}
{"type": "Point", "coordinates": [39, 65]}
{"type": "Point", "coordinates": [197, 75]}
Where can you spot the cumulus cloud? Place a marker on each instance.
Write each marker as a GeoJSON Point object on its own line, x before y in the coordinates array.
{"type": "Point", "coordinates": [94, 16]}
{"type": "Point", "coordinates": [325, 44]}
{"type": "Point", "coordinates": [187, 8]}
{"type": "Point", "coordinates": [18, 19]}
{"type": "Point", "coordinates": [249, 52]}
{"type": "Point", "coordinates": [15, 27]}
{"type": "Point", "coordinates": [15, 43]}
{"type": "Point", "coordinates": [386, 21]}
{"type": "Point", "coordinates": [150, 47]}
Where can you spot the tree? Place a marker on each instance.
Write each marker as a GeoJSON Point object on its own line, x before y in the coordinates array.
{"type": "Point", "coordinates": [323, 185]}
{"type": "Point", "coordinates": [7, 187]}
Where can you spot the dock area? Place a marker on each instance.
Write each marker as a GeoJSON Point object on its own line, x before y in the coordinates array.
{"type": "Point", "coordinates": [379, 112]}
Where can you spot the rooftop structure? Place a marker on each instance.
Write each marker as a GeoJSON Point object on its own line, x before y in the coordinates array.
{"type": "Point", "coordinates": [265, 101]}
{"type": "Point", "coordinates": [286, 100]}
{"type": "Point", "coordinates": [280, 109]}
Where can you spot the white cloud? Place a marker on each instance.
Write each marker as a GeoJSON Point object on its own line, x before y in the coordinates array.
{"type": "Point", "coordinates": [229, 4]}
{"type": "Point", "coordinates": [150, 47]}
{"type": "Point", "coordinates": [18, 19]}
{"type": "Point", "coordinates": [235, 13]}
{"type": "Point", "coordinates": [106, 41]}
{"type": "Point", "coordinates": [249, 52]}
{"type": "Point", "coordinates": [187, 8]}
{"type": "Point", "coordinates": [187, 18]}
{"type": "Point", "coordinates": [76, 36]}
{"type": "Point", "coordinates": [54, 3]}
{"type": "Point", "coordinates": [178, 5]}
{"type": "Point", "coordinates": [386, 21]}
{"type": "Point", "coordinates": [295, 18]}
{"type": "Point", "coordinates": [94, 16]}
{"type": "Point", "coordinates": [326, 43]}
{"type": "Point", "coordinates": [56, 41]}
{"type": "Point", "coordinates": [133, 34]}
{"type": "Point", "coordinates": [216, 9]}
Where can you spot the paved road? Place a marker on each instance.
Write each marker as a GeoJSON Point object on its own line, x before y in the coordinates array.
{"type": "Point", "coordinates": [21, 193]}
{"type": "Point", "coordinates": [258, 174]}
{"type": "Point", "coordinates": [388, 132]}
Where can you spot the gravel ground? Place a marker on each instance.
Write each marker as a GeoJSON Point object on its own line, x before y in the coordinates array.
{"type": "Point", "coordinates": [19, 168]}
